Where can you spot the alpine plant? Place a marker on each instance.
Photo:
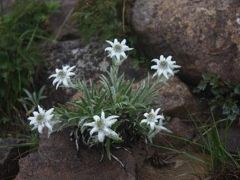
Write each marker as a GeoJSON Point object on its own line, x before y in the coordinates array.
{"type": "Point", "coordinates": [113, 96]}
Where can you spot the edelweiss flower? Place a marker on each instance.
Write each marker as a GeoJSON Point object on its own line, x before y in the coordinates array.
{"type": "Point", "coordinates": [117, 51]}
{"type": "Point", "coordinates": [102, 125]}
{"type": "Point", "coordinates": [152, 118]}
{"type": "Point", "coordinates": [165, 67]}
{"type": "Point", "coordinates": [42, 119]}
{"type": "Point", "coordinates": [63, 76]}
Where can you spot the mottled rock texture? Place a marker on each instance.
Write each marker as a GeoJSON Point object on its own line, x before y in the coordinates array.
{"type": "Point", "coordinates": [202, 35]}
{"type": "Point", "coordinates": [57, 158]}
{"type": "Point", "coordinates": [175, 99]}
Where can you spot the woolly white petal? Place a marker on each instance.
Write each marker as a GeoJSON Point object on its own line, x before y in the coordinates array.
{"type": "Point", "coordinates": [65, 82]}
{"type": "Point", "coordinates": [111, 117]}
{"type": "Point", "coordinates": [49, 126]}
{"type": "Point", "coordinates": [101, 136]}
{"type": "Point", "coordinates": [92, 124]}
{"type": "Point", "coordinates": [112, 134]}
{"type": "Point", "coordinates": [115, 41]}
{"type": "Point", "coordinates": [152, 126]}
{"type": "Point", "coordinates": [40, 128]}
{"type": "Point", "coordinates": [157, 111]}
{"type": "Point", "coordinates": [109, 123]}
{"type": "Point", "coordinates": [40, 110]}
{"type": "Point", "coordinates": [145, 114]}
{"type": "Point", "coordinates": [96, 118]}
{"type": "Point", "coordinates": [93, 130]}
{"type": "Point", "coordinates": [102, 115]}
{"type": "Point", "coordinates": [109, 42]}
{"type": "Point", "coordinates": [144, 121]}
{"type": "Point", "coordinates": [123, 42]}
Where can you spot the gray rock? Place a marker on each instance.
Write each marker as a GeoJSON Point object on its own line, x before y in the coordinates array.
{"type": "Point", "coordinates": [89, 59]}
{"type": "Point", "coordinates": [202, 35]}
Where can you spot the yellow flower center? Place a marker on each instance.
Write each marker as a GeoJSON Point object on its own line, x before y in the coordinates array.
{"type": "Point", "coordinates": [163, 64]}
{"type": "Point", "coordinates": [117, 48]}
{"type": "Point", "coordinates": [61, 74]}
{"type": "Point", "coordinates": [100, 124]}
{"type": "Point", "coordinates": [40, 118]}
{"type": "Point", "coordinates": [151, 116]}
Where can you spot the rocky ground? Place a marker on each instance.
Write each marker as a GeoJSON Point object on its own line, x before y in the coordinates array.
{"type": "Point", "coordinates": [174, 27]}
{"type": "Point", "coordinates": [57, 158]}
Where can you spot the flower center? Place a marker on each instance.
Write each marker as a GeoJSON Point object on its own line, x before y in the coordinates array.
{"type": "Point", "coordinates": [61, 74]}
{"type": "Point", "coordinates": [151, 116]}
{"type": "Point", "coordinates": [100, 124]}
{"type": "Point", "coordinates": [163, 64]}
{"type": "Point", "coordinates": [40, 118]}
{"type": "Point", "coordinates": [117, 48]}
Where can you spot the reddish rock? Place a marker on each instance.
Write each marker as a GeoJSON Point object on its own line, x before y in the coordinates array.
{"type": "Point", "coordinates": [202, 35]}
{"type": "Point", "coordinates": [179, 167]}
{"type": "Point", "coordinates": [10, 152]}
{"type": "Point", "coordinates": [181, 128]}
{"type": "Point", "coordinates": [176, 100]}
{"type": "Point", "coordinates": [57, 158]}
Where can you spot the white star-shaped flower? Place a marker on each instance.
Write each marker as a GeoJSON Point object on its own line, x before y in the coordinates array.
{"type": "Point", "coordinates": [63, 76]}
{"type": "Point", "coordinates": [102, 126]}
{"type": "Point", "coordinates": [165, 67]}
{"type": "Point", "coordinates": [155, 122]}
{"type": "Point", "coordinates": [117, 50]}
{"type": "Point", "coordinates": [41, 119]}
{"type": "Point", "coordinates": [152, 118]}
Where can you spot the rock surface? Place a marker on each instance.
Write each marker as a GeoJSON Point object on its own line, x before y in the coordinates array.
{"type": "Point", "coordinates": [176, 100]}
{"type": "Point", "coordinates": [202, 35]}
{"type": "Point", "coordinates": [9, 155]}
{"type": "Point", "coordinates": [179, 167]}
{"type": "Point", "coordinates": [57, 158]}
{"type": "Point", "coordinates": [232, 139]}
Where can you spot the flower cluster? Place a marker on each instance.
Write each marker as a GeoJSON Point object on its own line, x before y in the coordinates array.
{"type": "Point", "coordinates": [100, 128]}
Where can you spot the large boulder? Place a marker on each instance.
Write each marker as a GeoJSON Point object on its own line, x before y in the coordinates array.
{"type": "Point", "coordinates": [57, 158]}
{"type": "Point", "coordinates": [176, 100]}
{"type": "Point", "coordinates": [202, 35]}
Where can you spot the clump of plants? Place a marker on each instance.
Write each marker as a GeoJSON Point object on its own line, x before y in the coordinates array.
{"type": "Point", "coordinates": [223, 95]}
{"type": "Point", "coordinates": [20, 29]}
{"type": "Point", "coordinates": [212, 139]}
{"type": "Point", "coordinates": [111, 111]}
